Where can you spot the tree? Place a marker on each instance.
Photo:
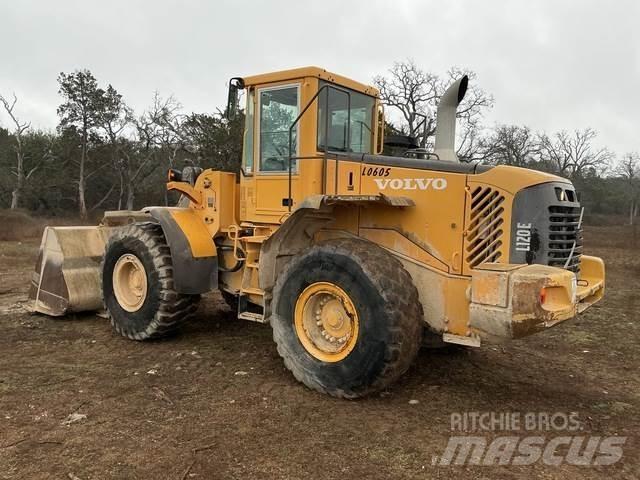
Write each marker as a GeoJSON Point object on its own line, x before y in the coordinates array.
{"type": "Point", "coordinates": [39, 161]}
{"type": "Point", "coordinates": [161, 133]}
{"type": "Point", "coordinates": [574, 155]}
{"type": "Point", "coordinates": [19, 171]}
{"type": "Point", "coordinates": [471, 142]}
{"type": "Point", "coordinates": [415, 93]}
{"type": "Point", "coordinates": [216, 140]}
{"type": "Point", "coordinates": [81, 109]}
{"type": "Point", "coordinates": [511, 145]}
{"type": "Point", "coordinates": [629, 170]}
{"type": "Point", "coordinates": [114, 117]}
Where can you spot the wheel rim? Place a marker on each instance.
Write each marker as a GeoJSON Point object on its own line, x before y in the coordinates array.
{"type": "Point", "coordinates": [130, 282]}
{"type": "Point", "coordinates": [326, 321]}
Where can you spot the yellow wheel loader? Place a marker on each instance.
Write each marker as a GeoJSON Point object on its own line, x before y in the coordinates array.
{"type": "Point", "coordinates": [353, 257]}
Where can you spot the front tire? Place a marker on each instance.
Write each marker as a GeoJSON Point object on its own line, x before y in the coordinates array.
{"type": "Point", "coordinates": [137, 284]}
{"type": "Point", "coordinates": [346, 318]}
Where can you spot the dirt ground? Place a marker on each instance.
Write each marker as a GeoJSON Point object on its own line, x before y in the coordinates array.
{"type": "Point", "coordinates": [79, 402]}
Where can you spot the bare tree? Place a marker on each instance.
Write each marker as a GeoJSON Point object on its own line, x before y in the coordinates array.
{"type": "Point", "coordinates": [574, 155]}
{"type": "Point", "coordinates": [471, 143]}
{"type": "Point", "coordinates": [166, 130]}
{"type": "Point", "coordinates": [415, 94]}
{"type": "Point", "coordinates": [170, 122]}
{"type": "Point", "coordinates": [511, 145]}
{"type": "Point", "coordinates": [161, 136]}
{"type": "Point", "coordinates": [20, 128]}
{"type": "Point", "coordinates": [629, 170]}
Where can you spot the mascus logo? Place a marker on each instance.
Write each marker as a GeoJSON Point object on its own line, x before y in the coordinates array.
{"type": "Point", "coordinates": [411, 183]}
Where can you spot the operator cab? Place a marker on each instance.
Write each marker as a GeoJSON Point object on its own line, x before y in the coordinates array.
{"type": "Point", "coordinates": [287, 117]}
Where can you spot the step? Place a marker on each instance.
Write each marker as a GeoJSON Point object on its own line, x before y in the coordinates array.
{"type": "Point", "coordinates": [460, 340]}
{"type": "Point", "coordinates": [254, 239]}
{"type": "Point", "coordinates": [252, 317]}
{"type": "Point", "coordinates": [251, 291]}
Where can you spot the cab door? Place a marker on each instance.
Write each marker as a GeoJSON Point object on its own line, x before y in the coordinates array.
{"type": "Point", "coordinates": [266, 192]}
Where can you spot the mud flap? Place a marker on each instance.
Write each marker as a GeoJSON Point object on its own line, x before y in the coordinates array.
{"type": "Point", "coordinates": [67, 275]}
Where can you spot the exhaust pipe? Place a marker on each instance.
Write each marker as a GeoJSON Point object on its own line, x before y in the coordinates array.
{"type": "Point", "coordinates": [445, 146]}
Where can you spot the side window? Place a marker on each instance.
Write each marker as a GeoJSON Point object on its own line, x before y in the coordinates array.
{"type": "Point", "coordinates": [360, 119]}
{"type": "Point", "coordinates": [247, 151]}
{"type": "Point", "coordinates": [278, 110]}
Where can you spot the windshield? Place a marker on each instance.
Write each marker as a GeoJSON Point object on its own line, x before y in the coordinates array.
{"type": "Point", "coordinates": [360, 128]}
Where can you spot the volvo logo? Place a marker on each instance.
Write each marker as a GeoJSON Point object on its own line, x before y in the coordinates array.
{"type": "Point", "coordinates": [411, 183]}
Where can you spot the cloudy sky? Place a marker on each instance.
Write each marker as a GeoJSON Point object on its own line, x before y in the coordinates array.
{"type": "Point", "coordinates": [550, 64]}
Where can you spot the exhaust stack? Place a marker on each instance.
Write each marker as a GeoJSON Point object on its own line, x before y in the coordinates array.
{"type": "Point", "coordinates": [445, 146]}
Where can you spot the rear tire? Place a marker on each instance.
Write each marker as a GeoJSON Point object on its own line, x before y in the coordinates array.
{"type": "Point", "coordinates": [378, 296]}
{"type": "Point", "coordinates": [160, 308]}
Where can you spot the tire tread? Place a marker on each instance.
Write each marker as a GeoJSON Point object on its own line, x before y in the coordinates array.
{"type": "Point", "coordinates": [173, 307]}
{"type": "Point", "coordinates": [402, 308]}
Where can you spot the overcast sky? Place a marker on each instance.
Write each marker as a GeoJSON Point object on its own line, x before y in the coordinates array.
{"type": "Point", "coordinates": [550, 64]}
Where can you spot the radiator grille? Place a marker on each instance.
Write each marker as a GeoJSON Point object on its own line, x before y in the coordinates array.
{"type": "Point", "coordinates": [485, 232]}
{"type": "Point", "coordinates": [563, 232]}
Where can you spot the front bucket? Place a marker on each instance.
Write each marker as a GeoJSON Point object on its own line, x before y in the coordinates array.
{"type": "Point", "coordinates": [67, 275]}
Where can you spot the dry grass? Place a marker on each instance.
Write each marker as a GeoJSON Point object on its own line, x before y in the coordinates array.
{"type": "Point", "coordinates": [620, 236]}
{"type": "Point", "coordinates": [17, 225]}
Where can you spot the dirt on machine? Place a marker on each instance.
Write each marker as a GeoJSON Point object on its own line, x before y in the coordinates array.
{"type": "Point", "coordinates": [354, 258]}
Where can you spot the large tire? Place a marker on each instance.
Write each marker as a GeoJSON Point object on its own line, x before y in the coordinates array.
{"type": "Point", "coordinates": [388, 312]}
{"type": "Point", "coordinates": [161, 308]}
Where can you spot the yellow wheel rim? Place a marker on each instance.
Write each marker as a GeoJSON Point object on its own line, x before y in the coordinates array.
{"type": "Point", "coordinates": [130, 282]}
{"type": "Point", "coordinates": [326, 321]}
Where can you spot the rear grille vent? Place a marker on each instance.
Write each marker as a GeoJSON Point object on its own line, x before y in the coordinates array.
{"type": "Point", "coordinates": [485, 232]}
{"type": "Point", "coordinates": [564, 231]}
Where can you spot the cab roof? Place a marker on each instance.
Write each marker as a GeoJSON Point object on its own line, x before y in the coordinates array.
{"type": "Point", "coordinates": [296, 73]}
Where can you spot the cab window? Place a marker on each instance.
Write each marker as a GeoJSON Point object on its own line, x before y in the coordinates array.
{"type": "Point", "coordinates": [360, 123]}
{"type": "Point", "coordinates": [278, 110]}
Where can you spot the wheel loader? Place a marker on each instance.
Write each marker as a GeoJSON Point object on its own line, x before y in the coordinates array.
{"type": "Point", "coordinates": [354, 258]}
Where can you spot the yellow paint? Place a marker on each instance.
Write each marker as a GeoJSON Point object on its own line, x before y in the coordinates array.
{"type": "Point", "coordinates": [190, 192]}
{"type": "Point", "coordinates": [264, 192]}
{"type": "Point", "coordinates": [326, 322]}
{"type": "Point", "coordinates": [591, 285]}
{"type": "Point", "coordinates": [196, 232]}
{"type": "Point", "coordinates": [437, 220]}
{"type": "Point", "coordinates": [130, 282]}
{"type": "Point", "coordinates": [398, 243]}
{"type": "Point", "coordinates": [309, 72]}
{"type": "Point", "coordinates": [490, 287]}
{"type": "Point", "coordinates": [456, 305]}
{"type": "Point", "coordinates": [513, 179]}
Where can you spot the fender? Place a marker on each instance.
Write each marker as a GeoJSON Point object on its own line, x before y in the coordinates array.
{"type": "Point", "coordinates": [297, 231]}
{"type": "Point", "coordinates": [193, 253]}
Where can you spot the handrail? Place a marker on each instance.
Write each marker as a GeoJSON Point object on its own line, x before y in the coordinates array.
{"type": "Point", "coordinates": [362, 124]}
{"type": "Point", "coordinates": [328, 87]}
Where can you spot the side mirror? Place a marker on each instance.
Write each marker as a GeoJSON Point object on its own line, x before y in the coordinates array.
{"type": "Point", "coordinates": [235, 85]}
